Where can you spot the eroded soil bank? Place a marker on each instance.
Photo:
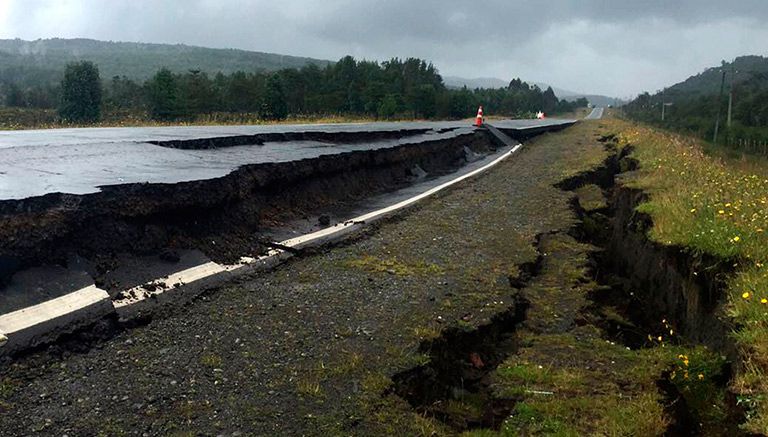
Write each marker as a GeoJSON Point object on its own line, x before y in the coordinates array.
{"type": "Point", "coordinates": [223, 218]}
{"type": "Point", "coordinates": [611, 334]}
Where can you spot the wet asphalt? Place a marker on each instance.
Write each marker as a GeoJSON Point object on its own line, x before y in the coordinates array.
{"type": "Point", "coordinates": [79, 161]}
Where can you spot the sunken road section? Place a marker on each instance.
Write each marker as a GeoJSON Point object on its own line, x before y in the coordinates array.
{"type": "Point", "coordinates": [68, 260]}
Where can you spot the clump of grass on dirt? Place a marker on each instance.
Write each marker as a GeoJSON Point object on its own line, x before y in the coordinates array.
{"type": "Point", "coordinates": [716, 206]}
{"type": "Point", "coordinates": [614, 394]}
{"type": "Point", "coordinates": [591, 197]}
{"type": "Point", "coordinates": [395, 266]}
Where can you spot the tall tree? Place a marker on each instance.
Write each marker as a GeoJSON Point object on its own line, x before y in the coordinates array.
{"type": "Point", "coordinates": [81, 93]}
{"type": "Point", "coordinates": [549, 100]}
{"type": "Point", "coordinates": [14, 96]}
{"type": "Point", "coordinates": [163, 95]}
{"type": "Point", "coordinates": [274, 106]}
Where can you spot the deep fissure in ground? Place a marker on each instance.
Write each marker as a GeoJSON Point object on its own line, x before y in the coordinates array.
{"type": "Point", "coordinates": [627, 266]}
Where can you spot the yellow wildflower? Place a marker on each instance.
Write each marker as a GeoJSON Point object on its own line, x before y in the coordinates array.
{"type": "Point", "coordinates": [745, 295]}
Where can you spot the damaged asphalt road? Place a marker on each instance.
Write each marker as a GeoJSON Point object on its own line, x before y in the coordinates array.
{"type": "Point", "coordinates": [310, 348]}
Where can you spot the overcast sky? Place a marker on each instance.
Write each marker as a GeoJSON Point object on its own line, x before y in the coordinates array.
{"type": "Point", "coordinates": [613, 47]}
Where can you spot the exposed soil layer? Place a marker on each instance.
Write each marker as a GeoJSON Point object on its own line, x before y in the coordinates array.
{"type": "Point", "coordinates": [655, 292]}
{"type": "Point", "coordinates": [672, 284]}
{"type": "Point", "coordinates": [579, 306]}
{"type": "Point", "coordinates": [331, 137]}
{"type": "Point", "coordinates": [221, 217]}
{"type": "Point", "coordinates": [460, 365]}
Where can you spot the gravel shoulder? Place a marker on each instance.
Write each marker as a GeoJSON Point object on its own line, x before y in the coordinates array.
{"type": "Point", "coordinates": [310, 348]}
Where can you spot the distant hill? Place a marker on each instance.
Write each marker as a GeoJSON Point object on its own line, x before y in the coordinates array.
{"type": "Point", "coordinates": [492, 82]}
{"type": "Point", "coordinates": [137, 60]}
{"type": "Point", "coordinates": [693, 105]}
{"type": "Point", "coordinates": [708, 82]}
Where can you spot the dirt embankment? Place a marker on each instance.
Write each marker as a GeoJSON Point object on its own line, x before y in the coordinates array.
{"type": "Point", "coordinates": [603, 304]}
{"type": "Point", "coordinates": [676, 296]}
{"type": "Point", "coordinates": [222, 217]}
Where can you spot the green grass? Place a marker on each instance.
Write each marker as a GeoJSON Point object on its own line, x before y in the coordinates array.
{"type": "Point", "coordinates": [591, 197]}
{"type": "Point", "coordinates": [718, 206]}
{"type": "Point", "coordinates": [394, 266]}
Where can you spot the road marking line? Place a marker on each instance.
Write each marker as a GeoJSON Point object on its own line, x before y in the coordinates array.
{"type": "Point", "coordinates": [51, 309]}
{"type": "Point", "coordinates": [140, 293]}
{"type": "Point", "coordinates": [33, 315]}
{"type": "Point", "coordinates": [378, 213]}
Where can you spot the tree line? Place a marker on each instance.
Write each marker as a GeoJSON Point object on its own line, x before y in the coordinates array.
{"type": "Point", "coordinates": [410, 88]}
{"type": "Point", "coordinates": [697, 113]}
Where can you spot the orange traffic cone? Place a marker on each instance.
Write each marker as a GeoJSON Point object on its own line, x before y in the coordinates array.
{"type": "Point", "coordinates": [479, 120]}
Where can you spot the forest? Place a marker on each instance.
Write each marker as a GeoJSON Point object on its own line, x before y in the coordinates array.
{"type": "Point", "coordinates": [693, 106]}
{"type": "Point", "coordinates": [394, 89]}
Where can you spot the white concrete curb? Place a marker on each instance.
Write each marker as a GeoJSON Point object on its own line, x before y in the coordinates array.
{"type": "Point", "coordinates": [43, 322]}
{"type": "Point", "coordinates": [191, 277]}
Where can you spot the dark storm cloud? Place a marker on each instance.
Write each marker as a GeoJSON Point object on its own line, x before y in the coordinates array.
{"type": "Point", "coordinates": [606, 46]}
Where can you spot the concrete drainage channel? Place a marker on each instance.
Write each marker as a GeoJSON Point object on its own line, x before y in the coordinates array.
{"type": "Point", "coordinates": [86, 244]}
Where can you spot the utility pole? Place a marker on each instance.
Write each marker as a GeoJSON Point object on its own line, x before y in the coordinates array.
{"type": "Point", "coordinates": [663, 109]}
{"type": "Point", "coordinates": [719, 107]}
{"type": "Point", "coordinates": [730, 94]}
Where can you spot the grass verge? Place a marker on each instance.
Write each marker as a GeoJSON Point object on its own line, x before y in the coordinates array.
{"type": "Point", "coordinates": [718, 206]}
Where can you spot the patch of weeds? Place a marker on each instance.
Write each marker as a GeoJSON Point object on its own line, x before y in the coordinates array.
{"type": "Point", "coordinates": [517, 379]}
{"type": "Point", "coordinates": [534, 419]}
{"type": "Point", "coordinates": [394, 266]}
{"type": "Point", "coordinates": [375, 382]}
{"type": "Point", "coordinates": [350, 362]}
{"type": "Point", "coordinates": [429, 332]}
{"type": "Point", "coordinates": [309, 385]}
{"type": "Point", "coordinates": [7, 388]}
{"type": "Point", "coordinates": [390, 415]}
{"type": "Point", "coordinates": [591, 197]}
{"type": "Point", "coordinates": [407, 357]}
{"type": "Point", "coordinates": [189, 410]}
{"type": "Point", "coordinates": [467, 410]}
{"type": "Point", "coordinates": [211, 360]}
{"type": "Point", "coordinates": [465, 325]}
{"type": "Point", "coordinates": [696, 374]}
{"type": "Point", "coordinates": [641, 415]}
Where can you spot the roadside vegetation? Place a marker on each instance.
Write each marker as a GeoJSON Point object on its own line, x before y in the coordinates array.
{"type": "Point", "coordinates": [716, 206]}
{"type": "Point", "coordinates": [692, 107]}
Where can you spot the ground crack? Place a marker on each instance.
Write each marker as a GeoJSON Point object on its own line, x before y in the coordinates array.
{"type": "Point", "coordinates": [454, 386]}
